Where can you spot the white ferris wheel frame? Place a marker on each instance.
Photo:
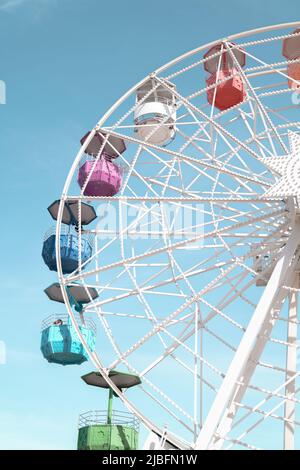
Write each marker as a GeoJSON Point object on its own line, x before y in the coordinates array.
{"type": "Point", "coordinates": [222, 409]}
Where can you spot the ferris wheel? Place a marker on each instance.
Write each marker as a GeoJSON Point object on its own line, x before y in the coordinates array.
{"type": "Point", "coordinates": [178, 236]}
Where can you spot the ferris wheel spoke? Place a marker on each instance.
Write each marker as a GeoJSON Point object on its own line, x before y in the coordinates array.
{"type": "Point", "coordinates": [149, 312]}
{"type": "Point", "coordinates": [115, 239]}
{"type": "Point", "coordinates": [167, 398]}
{"type": "Point", "coordinates": [175, 314]}
{"type": "Point", "coordinates": [179, 342]}
{"type": "Point", "coordinates": [176, 344]}
{"type": "Point", "coordinates": [165, 408]}
{"type": "Point", "coordinates": [246, 119]}
{"type": "Point", "coordinates": [138, 317]}
{"type": "Point", "coordinates": [134, 172]}
{"type": "Point", "coordinates": [193, 271]}
{"type": "Point", "coordinates": [228, 166]}
{"type": "Point", "coordinates": [281, 127]}
{"type": "Point", "coordinates": [218, 127]}
{"type": "Point", "coordinates": [266, 304]}
{"type": "Point", "coordinates": [201, 162]}
{"type": "Point", "coordinates": [174, 245]}
{"type": "Point", "coordinates": [221, 197]}
{"type": "Point", "coordinates": [172, 261]}
{"type": "Point", "coordinates": [183, 335]}
{"type": "Point", "coordinates": [157, 285]}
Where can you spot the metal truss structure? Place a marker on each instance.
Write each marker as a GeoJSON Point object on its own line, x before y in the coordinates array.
{"type": "Point", "coordinates": [196, 259]}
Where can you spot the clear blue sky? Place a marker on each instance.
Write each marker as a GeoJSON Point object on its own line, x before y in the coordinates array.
{"type": "Point", "coordinates": [64, 63]}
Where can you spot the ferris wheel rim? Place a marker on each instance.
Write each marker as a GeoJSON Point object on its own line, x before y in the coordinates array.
{"type": "Point", "coordinates": [149, 424]}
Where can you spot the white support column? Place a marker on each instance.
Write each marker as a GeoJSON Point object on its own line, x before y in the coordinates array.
{"type": "Point", "coordinates": [291, 369]}
{"type": "Point", "coordinates": [282, 271]}
{"type": "Point", "coordinates": [228, 417]}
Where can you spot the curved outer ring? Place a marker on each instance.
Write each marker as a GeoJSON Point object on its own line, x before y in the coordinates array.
{"type": "Point", "coordinates": [93, 356]}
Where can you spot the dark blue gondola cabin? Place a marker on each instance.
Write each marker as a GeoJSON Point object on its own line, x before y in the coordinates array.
{"type": "Point", "coordinates": [69, 249]}
{"type": "Point", "coordinates": [60, 343]}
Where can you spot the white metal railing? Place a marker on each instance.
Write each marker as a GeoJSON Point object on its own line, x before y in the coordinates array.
{"type": "Point", "coordinates": [119, 418]}
{"type": "Point", "coordinates": [69, 231]}
{"type": "Point", "coordinates": [157, 99]}
{"type": "Point", "coordinates": [49, 321]}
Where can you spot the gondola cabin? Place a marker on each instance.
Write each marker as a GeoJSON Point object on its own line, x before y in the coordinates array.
{"type": "Point", "coordinates": [155, 113]}
{"type": "Point", "coordinates": [71, 249]}
{"type": "Point", "coordinates": [60, 343]}
{"type": "Point", "coordinates": [226, 87]}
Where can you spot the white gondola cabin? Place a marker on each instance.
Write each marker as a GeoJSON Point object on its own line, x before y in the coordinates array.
{"type": "Point", "coordinates": [155, 113]}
